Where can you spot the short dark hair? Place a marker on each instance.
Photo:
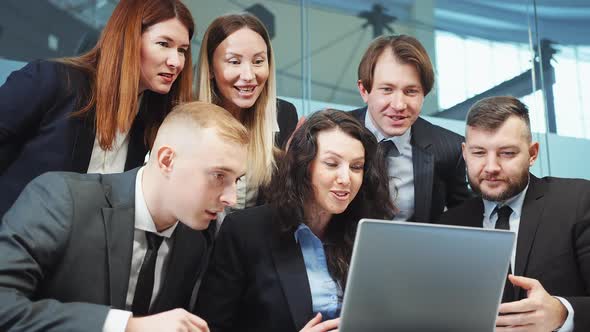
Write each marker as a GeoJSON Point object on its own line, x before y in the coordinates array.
{"type": "Point", "coordinates": [406, 49]}
{"type": "Point", "coordinates": [292, 187]}
{"type": "Point", "coordinates": [490, 113]}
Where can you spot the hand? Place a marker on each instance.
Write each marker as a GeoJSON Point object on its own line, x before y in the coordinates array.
{"type": "Point", "coordinates": [538, 312]}
{"type": "Point", "coordinates": [316, 324]}
{"type": "Point", "coordinates": [177, 320]}
{"type": "Point", "coordinates": [299, 123]}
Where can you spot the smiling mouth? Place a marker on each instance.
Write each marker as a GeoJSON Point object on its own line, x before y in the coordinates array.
{"type": "Point", "coordinates": [168, 78]}
{"type": "Point", "coordinates": [397, 117]}
{"type": "Point", "coordinates": [341, 195]}
{"type": "Point", "coordinates": [249, 89]}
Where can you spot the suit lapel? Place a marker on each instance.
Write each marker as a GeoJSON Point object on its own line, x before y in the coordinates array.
{"type": "Point", "coordinates": [119, 223]}
{"type": "Point", "coordinates": [119, 229]}
{"type": "Point", "coordinates": [470, 214]}
{"type": "Point", "coordinates": [82, 149]}
{"type": "Point", "coordinates": [423, 161]}
{"type": "Point", "coordinates": [293, 276]}
{"type": "Point", "coordinates": [532, 211]}
{"type": "Point", "coordinates": [185, 256]}
{"type": "Point", "coordinates": [359, 114]}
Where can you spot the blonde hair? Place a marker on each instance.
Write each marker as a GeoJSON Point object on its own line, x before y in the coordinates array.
{"type": "Point", "coordinates": [262, 120]}
{"type": "Point", "coordinates": [202, 115]}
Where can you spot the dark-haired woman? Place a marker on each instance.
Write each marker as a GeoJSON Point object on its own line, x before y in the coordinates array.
{"type": "Point", "coordinates": [276, 267]}
{"type": "Point", "coordinates": [99, 112]}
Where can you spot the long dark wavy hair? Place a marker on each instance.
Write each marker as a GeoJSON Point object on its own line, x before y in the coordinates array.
{"type": "Point", "coordinates": [292, 187]}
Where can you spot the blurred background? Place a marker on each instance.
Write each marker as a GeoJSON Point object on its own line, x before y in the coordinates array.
{"type": "Point", "coordinates": [536, 50]}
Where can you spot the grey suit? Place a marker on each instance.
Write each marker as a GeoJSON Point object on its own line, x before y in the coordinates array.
{"type": "Point", "coordinates": [439, 169]}
{"type": "Point", "coordinates": [66, 248]}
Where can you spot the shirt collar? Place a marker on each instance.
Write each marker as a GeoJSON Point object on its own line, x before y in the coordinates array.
{"type": "Point", "coordinates": [301, 231]}
{"type": "Point", "coordinates": [143, 218]}
{"type": "Point", "coordinates": [403, 140]}
{"type": "Point", "coordinates": [399, 141]}
{"type": "Point", "coordinates": [514, 202]}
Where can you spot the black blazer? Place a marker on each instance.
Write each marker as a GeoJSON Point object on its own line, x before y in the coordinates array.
{"type": "Point", "coordinates": [66, 249]}
{"type": "Point", "coordinates": [287, 119]}
{"type": "Point", "coordinates": [256, 279]}
{"type": "Point", "coordinates": [37, 133]}
{"type": "Point", "coordinates": [553, 244]}
{"type": "Point", "coordinates": [439, 169]}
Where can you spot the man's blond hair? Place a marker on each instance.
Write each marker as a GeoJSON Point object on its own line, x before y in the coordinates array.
{"type": "Point", "coordinates": [201, 115]}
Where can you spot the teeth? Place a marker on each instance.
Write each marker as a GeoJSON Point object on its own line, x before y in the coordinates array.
{"type": "Point", "coordinates": [250, 89]}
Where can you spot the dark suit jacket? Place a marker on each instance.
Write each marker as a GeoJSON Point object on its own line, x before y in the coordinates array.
{"type": "Point", "coordinates": [439, 169]}
{"type": "Point", "coordinates": [287, 119]}
{"type": "Point", "coordinates": [256, 279]}
{"type": "Point", "coordinates": [553, 242]}
{"type": "Point", "coordinates": [66, 248]}
{"type": "Point", "coordinates": [37, 132]}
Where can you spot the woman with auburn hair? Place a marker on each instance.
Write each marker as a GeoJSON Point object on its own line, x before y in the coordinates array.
{"type": "Point", "coordinates": [283, 266]}
{"type": "Point", "coordinates": [98, 112]}
{"type": "Point", "coordinates": [236, 70]}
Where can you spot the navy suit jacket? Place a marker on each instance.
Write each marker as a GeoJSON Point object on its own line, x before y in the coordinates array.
{"type": "Point", "coordinates": [553, 244]}
{"type": "Point", "coordinates": [38, 133]}
{"type": "Point", "coordinates": [256, 279]}
{"type": "Point", "coordinates": [439, 169]}
{"type": "Point", "coordinates": [66, 247]}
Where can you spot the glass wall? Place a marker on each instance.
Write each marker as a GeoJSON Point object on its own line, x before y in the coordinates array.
{"type": "Point", "coordinates": [536, 50]}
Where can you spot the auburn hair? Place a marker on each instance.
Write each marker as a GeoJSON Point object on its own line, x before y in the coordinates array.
{"type": "Point", "coordinates": [113, 66]}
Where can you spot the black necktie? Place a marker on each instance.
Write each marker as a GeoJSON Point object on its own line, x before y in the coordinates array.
{"type": "Point", "coordinates": [389, 148]}
{"type": "Point", "coordinates": [503, 222]}
{"type": "Point", "coordinates": [145, 280]}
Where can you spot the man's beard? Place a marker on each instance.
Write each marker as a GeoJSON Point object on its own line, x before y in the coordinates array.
{"type": "Point", "coordinates": [515, 186]}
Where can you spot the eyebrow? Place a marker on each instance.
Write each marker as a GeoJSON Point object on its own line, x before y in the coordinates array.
{"type": "Point", "coordinates": [474, 147]}
{"type": "Point", "coordinates": [414, 86]}
{"type": "Point", "coordinates": [226, 170]}
{"type": "Point", "coordinates": [339, 156]}
{"type": "Point", "coordinates": [222, 168]}
{"type": "Point", "coordinates": [172, 40]}
{"type": "Point", "coordinates": [240, 55]}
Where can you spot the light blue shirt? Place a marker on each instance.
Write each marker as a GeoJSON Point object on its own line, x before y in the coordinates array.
{"type": "Point", "coordinates": [326, 294]}
{"type": "Point", "coordinates": [489, 221]}
{"type": "Point", "coordinates": [400, 170]}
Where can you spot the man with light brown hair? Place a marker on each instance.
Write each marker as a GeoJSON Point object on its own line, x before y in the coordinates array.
{"type": "Point", "coordinates": [122, 252]}
{"type": "Point", "coordinates": [427, 172]}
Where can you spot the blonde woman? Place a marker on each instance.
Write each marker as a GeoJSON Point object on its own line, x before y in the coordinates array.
{"type": "Point", "coordinates": [236, 71]}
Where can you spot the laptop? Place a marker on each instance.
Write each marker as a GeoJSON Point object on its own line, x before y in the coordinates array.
{"type": "Point", "coordinates": [407, 276]}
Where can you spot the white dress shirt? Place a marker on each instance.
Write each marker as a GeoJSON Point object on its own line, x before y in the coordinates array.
{"type": "Point", "coordinates": [489, 222]}
{"type": "Point", "coordinates": [109, 161]}
{"type": "Point", "coordinates": [400, 170]}
{"type": "Point", "coordinates": [117, 319]}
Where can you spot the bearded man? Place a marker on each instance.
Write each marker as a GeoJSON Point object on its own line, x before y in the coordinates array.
{"type": "Point", "coordinates": [549, 277]}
